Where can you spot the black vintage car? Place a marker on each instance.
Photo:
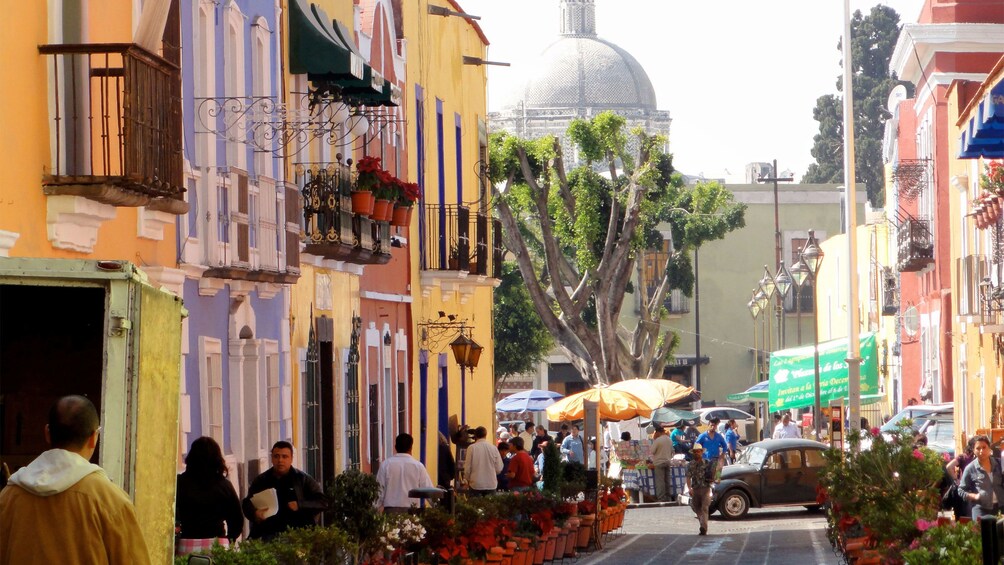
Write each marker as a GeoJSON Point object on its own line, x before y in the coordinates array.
{"type": "Point", "coordinates": [773, 472]}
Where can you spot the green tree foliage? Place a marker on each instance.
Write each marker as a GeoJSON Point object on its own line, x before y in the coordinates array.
{"type": "Point", "coordinates": [873, 40]}
{"type": "Point", "coordinates": [521, 340]}
{"type": "Point", "coordinates": [577, 235]}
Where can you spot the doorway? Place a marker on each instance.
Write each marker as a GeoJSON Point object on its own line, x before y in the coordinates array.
{"type": "Point", "coordinates": [51, 345]}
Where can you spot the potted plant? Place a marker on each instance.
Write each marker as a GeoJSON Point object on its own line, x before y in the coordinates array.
{"type": "Point", "coordinates": [453, 262]}
{"type": "Point", "coordinates": [882, 491]}
{"type": "Point", "coordinates": [406, 200]}
{"type": "Point", "coordinates": [944, 542]}
{"type": "Point", "coordinates": [368, 174]}
{"type": "Point", "coordinates": [386, 193]}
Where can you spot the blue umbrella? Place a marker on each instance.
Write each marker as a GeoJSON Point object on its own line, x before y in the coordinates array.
{"type": "Point", "coordinates": [532, 400]}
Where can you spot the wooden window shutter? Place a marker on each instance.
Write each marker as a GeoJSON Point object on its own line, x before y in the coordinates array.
{"type": "Point", "coordinates": [241, 216]}
{"type": "Point", "coordinates": [293, 213]}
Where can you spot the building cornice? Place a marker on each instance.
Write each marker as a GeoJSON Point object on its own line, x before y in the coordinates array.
{"type": "Point", "coordinates": [919, 43]}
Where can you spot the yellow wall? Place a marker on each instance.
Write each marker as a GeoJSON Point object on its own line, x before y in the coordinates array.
{"type": "Point", "coordinates": [344, 304]}
{"type": "Point", "coordinates": [832, 297]}
{"type": "Point", "coordinates": [977, 377]}
{"type": "Point", "coordinates": [435, 47]}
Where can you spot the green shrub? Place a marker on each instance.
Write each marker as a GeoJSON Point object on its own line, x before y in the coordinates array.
{"type": "Point", "coordinates": [552, 468]}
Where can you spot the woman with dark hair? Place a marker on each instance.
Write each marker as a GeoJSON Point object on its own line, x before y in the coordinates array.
{"type": "Point", "coordinates": [981, 483]}
{"type": "Point", "coordinates": [206, 501]}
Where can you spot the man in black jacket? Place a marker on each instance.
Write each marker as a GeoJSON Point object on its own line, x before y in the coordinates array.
{"type": "Point", "coordinates": [300, 497]}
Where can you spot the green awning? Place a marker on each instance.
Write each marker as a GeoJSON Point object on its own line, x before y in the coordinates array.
{"type": "Point", "coordinates": [370, 85]}
{"type": "Point", "coordinates": [792, 374]}
{"type": "Point", "coordinates": [315, 48]}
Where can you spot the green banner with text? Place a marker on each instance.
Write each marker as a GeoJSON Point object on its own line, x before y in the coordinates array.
{"type": "Point", "coordinates": [792, 374]}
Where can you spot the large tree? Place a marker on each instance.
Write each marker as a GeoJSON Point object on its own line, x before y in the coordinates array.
{"type": "Point", "coordinates": [873, 40]}
{"type": "Point", "coordinates": [576, 235]}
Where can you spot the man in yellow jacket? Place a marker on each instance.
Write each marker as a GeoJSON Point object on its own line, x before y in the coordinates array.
{"type": "Point", "coordinates": [63, 509]}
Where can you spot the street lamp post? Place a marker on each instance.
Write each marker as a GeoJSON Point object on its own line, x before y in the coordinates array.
{"type": "Point", "coordinates": [812, 256]}
{"type": "Point", "coordinates": [799, 274]}
{"type": "Point", "coordinates": [754, 308]}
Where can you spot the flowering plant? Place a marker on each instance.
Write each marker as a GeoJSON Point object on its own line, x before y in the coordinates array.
{"type": "Point", "coordinates": [944, 542]}
{"type": "Point", "coordinates": [400, 531]}
{"type": "Point", "coordinates": [372, 177]}
{"type": "Point", "coordinates": [992, 179]}
{"type": "Point", "coordinates": [884, 489]}
{"type": "Point", "coordinates": [409, 193]}
{"type": "Point", "coordinates": [587, 507]}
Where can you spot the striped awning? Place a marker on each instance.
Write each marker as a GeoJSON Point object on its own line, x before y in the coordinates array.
{"type": "Point", "coordinates": [984, 134]}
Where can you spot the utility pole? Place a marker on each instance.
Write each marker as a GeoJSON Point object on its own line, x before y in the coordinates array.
{"type": "Point", "coordinates": [774, 178]}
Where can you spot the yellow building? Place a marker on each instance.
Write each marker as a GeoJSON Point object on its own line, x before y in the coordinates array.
{"type": "Point", "coordinates": [877, 306]}
{"type": "Point", "coordinates": [978, 325]}
{"type": "Point", "coordinates": [455, 243]}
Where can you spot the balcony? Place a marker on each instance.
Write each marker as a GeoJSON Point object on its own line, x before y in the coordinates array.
{"type": "Point", "coordinates": [256, 236]}
{"type": "Point", "coordinates": [916, 246]}
{"type": "Point", "coordinates": [331, 229]}
{"type": "Point", "coordinates": [116, 126]}
{"type": "Point", "coordinates": [460, 250]}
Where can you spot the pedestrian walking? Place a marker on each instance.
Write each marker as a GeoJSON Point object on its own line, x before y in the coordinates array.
{"type": "Point", "coordinates": [700, 473]}
{"type": "Point", "coordinates": [981, 483]}
{"type": "Point", "coordinates": [482, 464]}
{"type": "Point", "coordinates": [61, 508]}
{"type": "Point", "coordinates": [300, 497]}
{"type": "Point", "coordinates": [399, 474]}
{"type": "Point", "coordinates": [503, 476]}
{"type": "Point", "coordinates": [732, 439]}
{"type": "Point", "coordinates": [207, 508]}
{"type": "Point", "coordinates": [661, 454]}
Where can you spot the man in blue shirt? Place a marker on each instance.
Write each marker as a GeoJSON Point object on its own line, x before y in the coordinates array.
{"type": "Point", "coordinates": [713, 442]}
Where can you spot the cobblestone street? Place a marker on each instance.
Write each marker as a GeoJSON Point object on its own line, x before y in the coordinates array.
{"type": "Point", "coordinates": [669, 535]}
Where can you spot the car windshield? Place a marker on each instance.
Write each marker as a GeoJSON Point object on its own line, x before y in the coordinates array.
{"type": "Point", "coordinates": [917, 416]}
{"type": "Point", "coordinates": [752, 455]}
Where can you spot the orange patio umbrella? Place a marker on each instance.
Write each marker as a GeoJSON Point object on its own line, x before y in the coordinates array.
{"type": "Point", "coordinates": [655, 392]}
{"type": "Point", "coordinates": [613, 405]}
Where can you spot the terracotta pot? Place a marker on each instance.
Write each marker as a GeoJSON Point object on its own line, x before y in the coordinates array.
{"type": "Point", "coordinates": [362, 202]}
{"type": "Point", "coordinates": [401, 217]}
{"type": "Point", "coordinates": [585, 532]}
{"type": "Point", "coordinates": [620, 517]}
{"type": "Point", "coordinates": [538, 551]}
{"type": "Point", "coordinates": [552, 540]}
{"type": "Point", "coordinates": [570, 539]}
{"type": "Point", "coordinates": [382, 210]}
{"type": "Point", "coordinates": [495, 555]}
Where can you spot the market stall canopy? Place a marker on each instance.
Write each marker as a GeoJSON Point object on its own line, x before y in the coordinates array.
{"type": "Point", "coordinates": [792, 374]}
{"type": "Point", "coordinates": [757, 392]}
{"type": "Point", "coordinates": [533, 400]}
{"type": "Point", "coordinates": [671, 416]}
{"type": "Point", "coordinates": [656, 392]}
{"type": "Point", "coordinates": [613, 405]}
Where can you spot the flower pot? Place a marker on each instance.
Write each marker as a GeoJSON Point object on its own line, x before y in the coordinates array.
{"type": "Point", "coordinates": [552, 540]}
{"type": "Point", "coordinates": [585, 532]}
{"type": "Point", "coordinates": [538, 551]}
{"type": "Point", "coordinates": [495, 555]}
{"type": "Point", "coordinates": [401, 217]}
{"type": "Point", "coordinates": [572, 537]}
{"type": "Point", "coordinates": [382, 210]}
{"type": "Point", "coordinates": [362, 202]}
{"type": "Point", "coordinates": [509, 553]}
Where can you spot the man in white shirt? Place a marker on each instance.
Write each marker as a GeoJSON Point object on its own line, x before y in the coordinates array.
{"type": "Point", "coordinates": [482, 464]}
{"type": "Point", "coordinates": [399, 474]}
{"type": "Point", "coordinates": [786, 428]}
{"type": "Point", "coordinates": [661, 453]}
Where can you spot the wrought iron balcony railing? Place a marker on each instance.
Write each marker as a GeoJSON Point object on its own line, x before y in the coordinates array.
{"type": "Point", "coordinates": [916, 245]}
{"type": "Point", "coordinates": [456, 240]}
{"type": "Point", "coordinates": [331, 229]}
{"type": "Point", "coordinates": [116, 119]}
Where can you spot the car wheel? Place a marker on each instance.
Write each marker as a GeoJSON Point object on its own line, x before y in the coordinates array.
{"type": "Point", "coordinates": [734, 505]}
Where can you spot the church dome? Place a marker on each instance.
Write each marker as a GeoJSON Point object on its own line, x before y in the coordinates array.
{"type": "Point", "coordinates": [580, 70]}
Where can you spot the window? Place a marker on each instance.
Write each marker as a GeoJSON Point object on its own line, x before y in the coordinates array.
{"type": "Point", "coordinates": [273, 393]}
{"type": "Point", "coordinates": [211, 387]}
{"type": "Point", "coordinates": [814, 458]}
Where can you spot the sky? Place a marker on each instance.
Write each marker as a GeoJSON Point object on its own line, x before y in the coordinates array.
{"type": "Point", "coordinates": [740, 78]}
